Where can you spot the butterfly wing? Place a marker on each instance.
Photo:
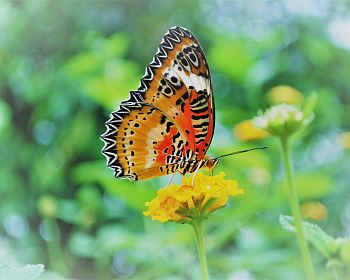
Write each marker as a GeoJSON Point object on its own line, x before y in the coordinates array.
{"type": "Point", "coordinates": [141, 142]}
{"type": "Point", "coordinates": [169, 119]}
{"type": "Point", "coordinates": [177, 81]}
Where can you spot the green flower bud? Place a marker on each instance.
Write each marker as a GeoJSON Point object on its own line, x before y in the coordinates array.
{"type": "Point", "coordinates": [282, 120]}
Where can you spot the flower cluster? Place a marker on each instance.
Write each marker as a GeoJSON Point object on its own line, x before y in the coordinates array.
{"type": "Point", "coordinates": [184, 203]}
{"type": "Point", "coordinates": [282, 120]}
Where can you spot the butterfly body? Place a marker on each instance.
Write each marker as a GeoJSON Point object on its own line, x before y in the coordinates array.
{"type": "Point", "coordinates": [166, 125]}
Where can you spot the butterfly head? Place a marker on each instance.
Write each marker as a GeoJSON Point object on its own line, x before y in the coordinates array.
{"type": "Point", "coordinates": [211, 163]}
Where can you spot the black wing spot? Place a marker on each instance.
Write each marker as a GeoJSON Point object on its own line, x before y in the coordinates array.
{"type": "Point", "coordinates": [168, 126]}
{"type": "Point", "coordinates": [199, 117]}
{"type": "Point", "coordinates": [163, 119]}
{"type": "Point", "coordinates": [177, 135]}
{"type": "Point", "coordinates": [182, 107]}
{"type": "Point", "coordinates": [193, 57]}
{"type": "Point", "coordinates": [180, 56]}
{"type": "Point", "coordinates": [167, 90]}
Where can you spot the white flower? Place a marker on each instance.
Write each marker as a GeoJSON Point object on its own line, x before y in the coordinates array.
{"type": "Point", "coordinates": [282, 119]}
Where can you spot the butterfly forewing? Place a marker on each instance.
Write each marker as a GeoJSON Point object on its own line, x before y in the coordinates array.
{"type": "Point", "coordinates": [169, 119]}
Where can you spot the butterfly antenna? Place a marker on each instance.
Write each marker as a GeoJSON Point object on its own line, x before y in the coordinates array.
{"type": "Point", "coordinates": [243, 151]}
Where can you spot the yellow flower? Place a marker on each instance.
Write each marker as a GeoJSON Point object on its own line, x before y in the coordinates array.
{"type": "Point", "coordinates": [314, 210]}
{"type": "Point", "coordinates": [183, 203]}
{"type": "Point", "coordinates": [247, 131]}
{"type": "Point", "coordinates": [285, 94]}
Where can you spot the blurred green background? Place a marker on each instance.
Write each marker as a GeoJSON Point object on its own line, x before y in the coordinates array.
{"type": "Point", "coordinates": [65, 65]}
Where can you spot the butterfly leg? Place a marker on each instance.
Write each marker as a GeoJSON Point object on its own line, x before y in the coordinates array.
{"type": "Point", "coordinates": [211, 172]}
{"type": "Point", "coordinates": [194, 174]}
{"type": "Point", "coordinates": [171, 178]}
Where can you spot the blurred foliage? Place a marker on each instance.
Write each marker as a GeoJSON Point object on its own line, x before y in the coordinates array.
{"type": "Point", "coordinates": [28, 272]}
{"type": "Point", "coordinates": [335, 250]}
{"type": "Point", "coordinates": [66, 64]}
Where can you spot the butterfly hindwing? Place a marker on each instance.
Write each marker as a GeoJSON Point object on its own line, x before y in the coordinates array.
{"type": "Point", "coordinates": [169, 118]}
{"type": "Point", "coordinates": [146, 142]}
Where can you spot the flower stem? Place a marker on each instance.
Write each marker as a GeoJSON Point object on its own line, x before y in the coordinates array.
{"type": "Point", "coordinates": [198, 229]}
{"type": "Point", "coordinates": [335, 272]}
{"type": "Point", "coordinates": [294, 204]}
{"type": "Point", "coordinates": [54, 248]}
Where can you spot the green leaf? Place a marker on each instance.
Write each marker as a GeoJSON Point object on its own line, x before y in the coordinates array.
{"type": "Point", "coordinates": [309, 107]}
{"type": "Point", "coordinates": [310, 104]}
{"type": "Point", "coordinates": [313, 233]}
{"type": "Point", "coordinates": [209, 203]}
{"type": "Point", "coordinates": [28, 272]}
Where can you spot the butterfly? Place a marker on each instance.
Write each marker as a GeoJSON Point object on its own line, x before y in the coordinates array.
{"type": "Point", "coordinates": [167, 124]}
